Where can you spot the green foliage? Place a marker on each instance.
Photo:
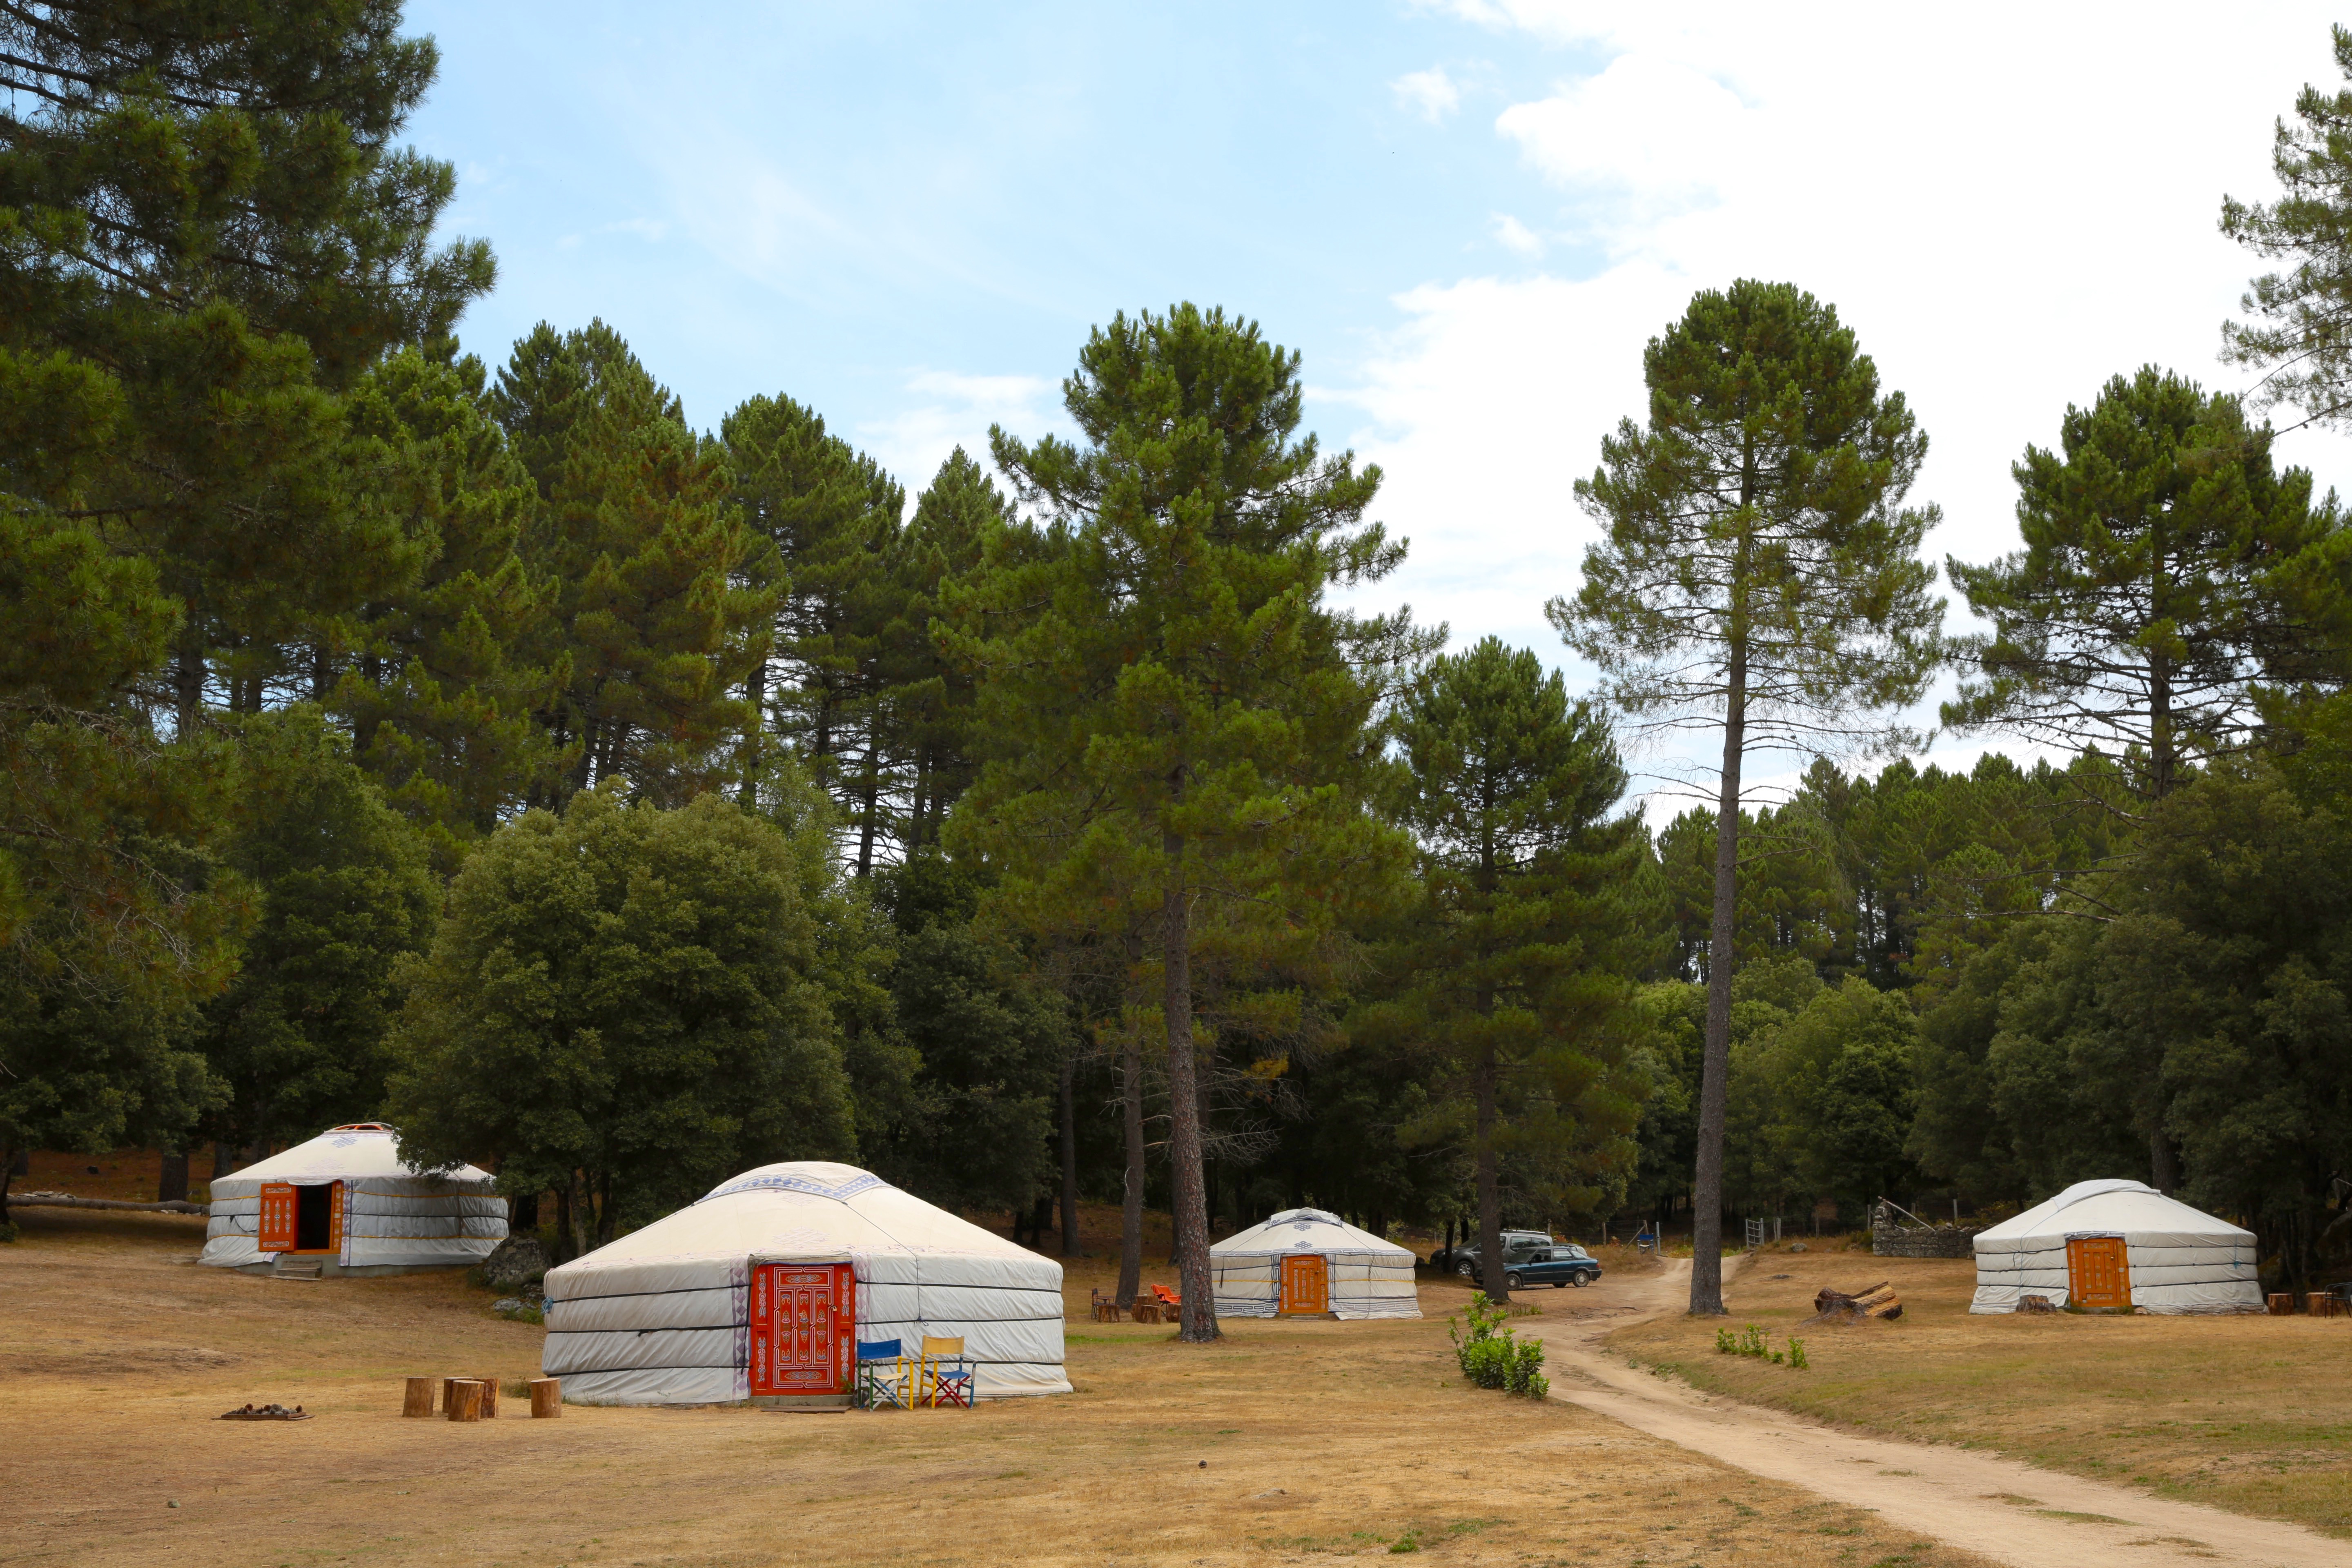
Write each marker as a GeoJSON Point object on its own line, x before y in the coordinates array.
{"type": "Point", "coordinates": [653, 616]}
{"type": "Point", "coordinates": [1515, 969]}
{"type": "Point", "coordinates": [2158, 581]}
{"type": "Point", "coordinates": [1491, 1354]}
{"type": "Point", "coordinates": [622, 1004]}
{"type": "Point", "coordinates": [2298, 337]}
{"type": "Point", "coordinates": [1752, 1342]}
{"type": "Point", "coordinates": [345, 891]}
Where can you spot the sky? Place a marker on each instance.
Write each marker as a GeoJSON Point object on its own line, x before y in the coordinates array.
{"type": "Point", "coordinates": [1469, 217]}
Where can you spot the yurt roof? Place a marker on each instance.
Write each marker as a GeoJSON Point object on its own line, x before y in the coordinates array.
{"type": "Point", "coordinates": [805, 1210]}
{"type": "Point", "coordinates": [1302, 1230]}
{"type": "Point", "coordinates": [355, 1151]}
{"type": "Point", "coordinates": [2133, 1210]}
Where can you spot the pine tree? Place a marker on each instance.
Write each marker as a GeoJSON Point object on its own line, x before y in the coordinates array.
{"type": "Point", "coordinates": [829, 516]}
{"type": "Point", "coordinates": [2160, 579]}
{"type": "Point", "coordinates": [2303, 332]}
{"type": "Point", "coordinates": [1759, 571]}
{"type": "Point", "coordinates": [658, 623]}
{"type": "Point", "coordinates": [1521, 963]}
{"type": "Point", "coordinates": [443, 691]}
{"type": "Point", "coordinates": [1175, 685]}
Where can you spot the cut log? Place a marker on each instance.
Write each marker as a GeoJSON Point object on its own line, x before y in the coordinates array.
{"type": "Point", "coordinates": [418, 1398]}
{"type": "Point", "coordinates": [546, 1398]}
{"type": "Point", "coordinates": [489, 1397]}
{"type": "Point", "coordinates": [1878, 1301]}
{"type": "Point", "coordinates": [465, 1397]}
{"type": "Point", "coordinates": [2281, 1303]}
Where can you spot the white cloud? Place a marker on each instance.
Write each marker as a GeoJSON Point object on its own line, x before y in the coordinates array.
{"type": "Point", "coordinates": [1432, 93]}
{"type": "Point", "coordinates": [947, 410]}
{"type": "Point", "coordinates": [1517, 236]}
{"type": "Point", "coordinates": [2007, 213]}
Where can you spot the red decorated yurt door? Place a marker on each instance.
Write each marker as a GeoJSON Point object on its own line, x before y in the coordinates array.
{"type": "Point", "coordinates": [1305, 1283]}
{"type": "Point", "coordinates": [2098, 1273]}
{"type": "Point", "coordinates": [804, 1327]}
{"type": "Point", "coordinates": [308, 1218]}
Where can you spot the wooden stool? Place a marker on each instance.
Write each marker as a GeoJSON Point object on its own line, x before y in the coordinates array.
{"type": "Point", "coordinates": [2281, 1303]}
{"type": "Point", "coordinates": [417, 1399]}
{"type": "Point", "coordinates": [489, 1397]}
{"type": "Point", "coordinates": [546, 1398]}
{"type": "Point", "coordinates": [464, 1395]}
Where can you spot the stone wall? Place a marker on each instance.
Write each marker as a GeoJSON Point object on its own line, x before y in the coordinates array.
{"type": "Point", "coordinates": [1939, 1241]}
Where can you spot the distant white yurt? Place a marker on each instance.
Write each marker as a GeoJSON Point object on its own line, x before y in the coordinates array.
{"type": "Point", "coordinates": [347, 1204]}
{"type": "Point", "coordinates": [2115, 1245]}
{"type": "Point", "coordinates": [762, 1287]}
{"type": "Point", "coordinates": [1307, 1263]}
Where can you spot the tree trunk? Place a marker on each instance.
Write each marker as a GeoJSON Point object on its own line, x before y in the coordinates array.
{"type": "Point", "coordinates": [1189, 1201]}
{"type": "Point", "coordinates": [1069, 1154]}
{"type": "Point", "coordinates": [755, 696]}
{"type": "Point", "coordinates": [523, 1214]}
{"type": "Point", "coordinates": [188, 682]}
{"type": "Point", "coordinates": [1131, 1219]}
{"type": "Point", "coordinates": [868, 788]}
{"type": "Point", "coordinates": [1490, 1187]}
{"type": "Point", "coordinates": [567, 1228]}
{"type": "Point", "coordinates": [224, 1160]}
{"type": "Point", "coordinates": [171, 1187]}
{"type": "Point", "coordinates": [1714, 1072]}
{"type": "Point", "coordinates": [2163, 1163]}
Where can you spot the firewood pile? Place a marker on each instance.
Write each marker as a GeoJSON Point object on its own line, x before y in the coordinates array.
{"type": "Point", "coordinates": [1878, 1303]}
{"type": "Point", "coordinates": [265, 1413]}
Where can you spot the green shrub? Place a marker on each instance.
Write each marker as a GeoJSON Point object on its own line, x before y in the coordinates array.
{"type": "Point", "coordinates": [1492, 1356]}
{"type": "Point", "coordinates": [1753, 1343]}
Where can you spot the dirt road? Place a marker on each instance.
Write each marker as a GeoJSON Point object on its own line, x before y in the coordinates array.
{"type": "Point", "coordinates": [2009, 1511]}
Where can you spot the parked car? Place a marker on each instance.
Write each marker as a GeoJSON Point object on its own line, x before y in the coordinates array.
{"type": "Point", "coordinates": [1463, 1259]}
{"type": "Point", "coordinates": [1555, 1266]}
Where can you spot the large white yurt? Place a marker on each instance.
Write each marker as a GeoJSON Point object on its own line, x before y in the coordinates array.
{"type": "Point", "coordinates": [763, 1287]}
{"type": "Point", "coordinates": [345, 1202]}
{"type": "Point", "coordinates": [2115, 1245]}
{"type": "Point", "coordinates": [1307, 1263]}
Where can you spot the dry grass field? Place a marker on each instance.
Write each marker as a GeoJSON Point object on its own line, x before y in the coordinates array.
{"type": "Point", "coordinates": [2251, 1414]}
{"type": "Point", "coordinates": [1289, 1442]}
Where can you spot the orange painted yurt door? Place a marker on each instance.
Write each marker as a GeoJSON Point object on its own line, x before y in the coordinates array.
{"type": "Point", "coordinates": [804, 1327]}
{"type": "Point", "coordinates": [1305, 1283]}
{"type": "Point", "coordinates": [279, 1206]}
{"type": "Point", "coordinates": [2097, 1274]}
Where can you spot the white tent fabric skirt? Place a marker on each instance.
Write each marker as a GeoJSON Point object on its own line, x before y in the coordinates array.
{"type": "Point", "coordinates": [2176, 1259]}
{"type": "Point", "coordinates": [1362, 1285]}
{"type": "Point", "coordinates": [421, 1228]}
{"type": "Point", "coordinates": [678, 1332]}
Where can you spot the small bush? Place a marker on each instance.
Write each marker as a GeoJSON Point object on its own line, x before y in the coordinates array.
{"type": "Point", "coordinates": [8, 1231]}
{"type": "Point", "coordinates": [1493, 1356]}
{"type": "Point", "coordinates": [1753, 1343]}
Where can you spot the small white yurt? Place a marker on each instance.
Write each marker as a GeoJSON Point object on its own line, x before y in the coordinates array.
{"type": "Point", "coordinates": [2112, 1245]}
{"type": "Point", "coordinates": [1307, 1263]}
{"type": "Point", "coordinates": [345, 1202]}
{"type": "Point", "coordinates": [763, 1289]}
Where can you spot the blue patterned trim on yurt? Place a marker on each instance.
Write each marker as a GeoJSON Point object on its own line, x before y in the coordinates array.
{"type": "Point", "coordinates": [864, 1181]}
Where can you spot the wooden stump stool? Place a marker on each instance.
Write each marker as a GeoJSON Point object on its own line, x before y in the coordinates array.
{"type": "Point", "coordinates": [546, 1398]}
{"type": "Point", "coordinates": [2281, 1303]}
{"type": "Point", "coordinates": [465, 1397]}
{"type": "Point", "coordinates": [418, 1398]}
{"type": "Point", "coordinates": [489, 1397]}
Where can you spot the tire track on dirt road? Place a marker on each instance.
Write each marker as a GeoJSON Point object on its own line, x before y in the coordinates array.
{"type": "Point", "coordinates": [2005, 1509]}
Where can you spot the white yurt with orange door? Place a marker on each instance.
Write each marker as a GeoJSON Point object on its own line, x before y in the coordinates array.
{"type": "Point", "coordinates": [2114, 1246]}
{"type": "Point", "coordinates": [1306, 1263]}
{"type": "Point", "coordinates": [763, 1287]}
{"type": "Point", "coordinates": [346, 1203]}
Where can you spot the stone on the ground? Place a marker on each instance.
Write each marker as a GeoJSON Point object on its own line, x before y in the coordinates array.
{"type": "Point", "coordinates": [1799, 1247]}
{"type": "Point", "coordinates": [520, 1260]}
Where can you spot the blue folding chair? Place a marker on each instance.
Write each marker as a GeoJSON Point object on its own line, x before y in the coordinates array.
{"type": "Point", "coordinates": [885, 1379]}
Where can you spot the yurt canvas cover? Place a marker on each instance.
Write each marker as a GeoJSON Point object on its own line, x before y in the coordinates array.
{"type": "Point", "coordinates": [2173, 1259]}
{"type": "Point", "coordinates": [1361, 1276]}
{"type": "Point", "coordinates": [690, 1309]}
{"type": "Point", "coordinates": [347, 1196]}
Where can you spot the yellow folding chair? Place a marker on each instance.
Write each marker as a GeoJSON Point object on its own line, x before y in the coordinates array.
{"type": "Point", "coordinates": [943, 1376]}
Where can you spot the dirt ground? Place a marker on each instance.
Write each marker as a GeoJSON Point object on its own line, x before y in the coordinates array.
{"type": "Point", "coordinates": [1288, 1442]}
{"type": "Point", "coordinates": [2248, 1414]}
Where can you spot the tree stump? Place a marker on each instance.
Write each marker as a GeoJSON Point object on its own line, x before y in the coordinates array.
{"type": "Point", "coordinates": [418, 1399]}
{"type": "Point", "coordinates": [1879, 1302]}
{"type": "Point", "coordinates": [2281, 1303]}
{"type": "Point", "coordinates": [489, 1397]}
{"type": "Point", "coordinates": [546, 1398]}
{"type": "Point", "coordinates": [465, 1397]}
